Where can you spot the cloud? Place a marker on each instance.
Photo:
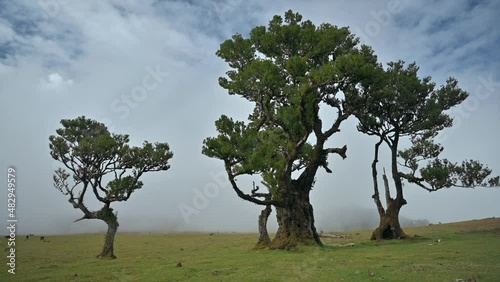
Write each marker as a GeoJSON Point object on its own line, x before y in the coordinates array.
{"type": "Point", "coordinates": [6, 33]}
{"type": "Point", "coordinates": [55, 82]}
{"type": "Point", "coordinates": [98, 51]}
{"type": "Point", "coordinates": [450, 38]}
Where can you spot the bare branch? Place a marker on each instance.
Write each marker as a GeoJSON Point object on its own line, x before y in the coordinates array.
{"type": "Point", "coordinates": [82, 218]}
{"type": "Point", "coordinates": [260, 195]}
{"type": "Point", "coordinates": [340, 151]}
{"type": "Point", "coordinates": [388, 198]}
{"type": "Point", "coordinates": [335, 126]}
{"type": "Point", "coordinates": [376, 195]}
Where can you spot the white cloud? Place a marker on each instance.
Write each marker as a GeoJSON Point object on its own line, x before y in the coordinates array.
{"type": "Point", "coordinates": [55, 82]}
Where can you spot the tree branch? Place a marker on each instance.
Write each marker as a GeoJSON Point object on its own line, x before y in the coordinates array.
{"type": "Point", "coordinates": [376, 195]}
{"type": "Point", "coordinates": [340, 151]}
{"type": "Point", "coordinates": [247, 197]}
{"type": "Point", "coordinates": [335, 126]}
{"type": "Point", "coordinates": [388, 198]}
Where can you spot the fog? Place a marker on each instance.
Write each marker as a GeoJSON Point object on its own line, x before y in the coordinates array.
{"type": "Point", "coordinates": [340, 220]}
{"type": "Point", "coordinates": [75, 58]}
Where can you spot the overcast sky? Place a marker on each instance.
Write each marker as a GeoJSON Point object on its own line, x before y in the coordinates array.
{"type": "Point", "coordinates": [63, 59]}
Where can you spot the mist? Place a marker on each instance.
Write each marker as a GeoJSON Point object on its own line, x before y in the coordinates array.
{"type": "Point", "coordinates": [338, 220]}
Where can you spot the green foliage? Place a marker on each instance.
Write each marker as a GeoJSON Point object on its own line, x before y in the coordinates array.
{"type": "Point", "coordinates": [470, 173]}
{"type": "Point", "coordinates": [399, 103]}
{"type": "Point", "coordinates": [396, 103]}
{"type": "Point", "coordinates": [438, 173]}
{"type": "Point", "coordinates": [87, 141]}
{"type": "Point", "coordinates": [89, 152]}
{"type": "Point", "coordinates": [287, 70]}
{"type": "Point", "coordinates": [122, 186]}
{"type": "Point", "coordinates": [149, 157]}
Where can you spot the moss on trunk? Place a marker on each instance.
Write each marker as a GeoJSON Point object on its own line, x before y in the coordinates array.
{"type": "Point", "coordinates": [296, 223]}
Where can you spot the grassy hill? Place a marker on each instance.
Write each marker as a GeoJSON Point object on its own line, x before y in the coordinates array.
{"type": "Point", "coordinates": [443, 252]}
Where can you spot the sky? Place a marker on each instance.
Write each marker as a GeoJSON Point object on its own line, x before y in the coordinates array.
{"type": "Point", "coordinates": [149, 69]}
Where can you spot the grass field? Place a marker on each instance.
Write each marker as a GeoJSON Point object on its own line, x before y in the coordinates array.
{"type": "Point", "coordinates": [465, 250]}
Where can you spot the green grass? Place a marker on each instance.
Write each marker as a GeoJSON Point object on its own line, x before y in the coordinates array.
{"type": "Point", "coordinates": [467, 249]}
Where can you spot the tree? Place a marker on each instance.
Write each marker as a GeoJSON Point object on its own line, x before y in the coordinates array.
{"type": "Point", "coordinates": [288, 71]}
{"type": "Point", "coordinates": [97, 160]}
{"type": "Point", "coordinates": [398, 106]}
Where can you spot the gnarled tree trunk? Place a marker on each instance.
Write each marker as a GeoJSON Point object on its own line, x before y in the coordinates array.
{"type": "Point", "coordinates": [264, 240]}
{"type": "Point", "coordinates": [296, 226]}
{"type": "Point", "coordinates": [295, 220]}
{"type": "Point", "coordinates": [112, 221]}
{"type": "Point", "coordinates": [389, 227]}
{"type": "Point", "coordinates": [109, 239]}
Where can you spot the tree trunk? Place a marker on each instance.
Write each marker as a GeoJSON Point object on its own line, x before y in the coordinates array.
{"type": "Point", "coordinates": [264, 240]}
{"type": "Point", "coordinates": [109, 239]}
{"type": "Point", "coordinates": [296, 222]}
{"type": "Point", "coordinates": [389, 227]}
